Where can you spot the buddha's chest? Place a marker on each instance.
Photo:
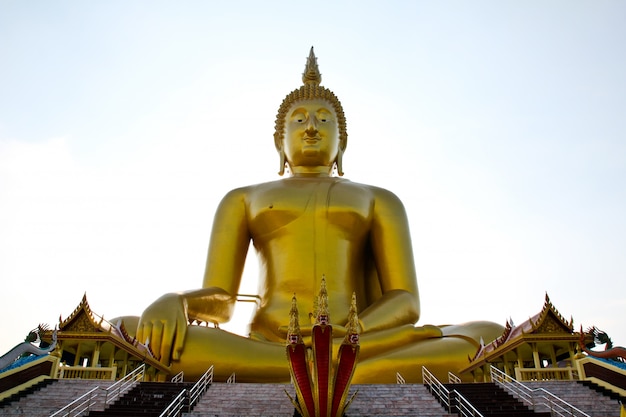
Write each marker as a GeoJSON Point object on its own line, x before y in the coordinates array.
{"type": "Point", "coordinates": [300, 208]}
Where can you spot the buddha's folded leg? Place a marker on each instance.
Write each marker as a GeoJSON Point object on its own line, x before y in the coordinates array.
{"type": "Point", "coordinates": [448, 353]}
{"type": "Point", "coordinates": [250, 360]}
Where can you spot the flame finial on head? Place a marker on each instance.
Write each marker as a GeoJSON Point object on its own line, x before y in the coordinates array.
{"type": "Point", "coordinates": [311, 74]}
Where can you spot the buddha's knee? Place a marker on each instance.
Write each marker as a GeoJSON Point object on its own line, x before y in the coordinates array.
{"type": "Point", "coordinates": [474, 331]}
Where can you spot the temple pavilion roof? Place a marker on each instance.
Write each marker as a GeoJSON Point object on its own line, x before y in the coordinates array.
{"type": "Point", "coordinates": [84, 325]}
{"type": "Point", "coordinates": [548, 327]}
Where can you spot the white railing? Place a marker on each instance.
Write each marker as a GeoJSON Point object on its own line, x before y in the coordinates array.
{"type": "Point", "coordinates": [537, 397]}
{"type": "Point", "coordinates": [453, 401]}
{"type": "Point", "coordinates": [453, 379]}
{"type": "Point", "coordinates": [231, 379]}
{"type": "Point", "coordinates": [124, 384]}
{"type": "Point", "coordinates": [175, 408]}
{"type": "Point", "coordinates": [200, 387]}
{"type": "Point", "coordinates": [179, 377]}
{"type": "Point", "coordinates": [78, 406]}
{"type": "Point", "coordinates": [400, 379]}
{"type": "Point", "coordinates": [464, 407]}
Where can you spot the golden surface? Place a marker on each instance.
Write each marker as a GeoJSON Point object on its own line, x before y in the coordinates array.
{"type": "Point", "coordinates": [303, 227]}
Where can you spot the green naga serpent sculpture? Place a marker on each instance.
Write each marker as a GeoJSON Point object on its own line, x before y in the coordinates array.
{"type": "Point", "coordinates": [617, 353]}
{"type": "Point", "coordinates": [27, 347]}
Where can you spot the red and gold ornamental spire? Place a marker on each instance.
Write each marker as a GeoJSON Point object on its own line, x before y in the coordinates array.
{"type": "Point", "coordinates": [320, 391]}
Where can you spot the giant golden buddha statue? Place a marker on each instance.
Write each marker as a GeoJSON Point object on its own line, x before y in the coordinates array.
{"type": "Point", "coordinates": [307, 226]}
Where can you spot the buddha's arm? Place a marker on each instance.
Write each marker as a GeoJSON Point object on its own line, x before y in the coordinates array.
{"type": "Point", "coordinates": [228, 247]}
{"type": "Point", "coordinates": [391, 246]}
{"type": "Point", "coordinates": [165, 321]}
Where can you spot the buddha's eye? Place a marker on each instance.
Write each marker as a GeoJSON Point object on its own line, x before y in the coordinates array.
{"type": "Point", "coordinates": [299, 118]}
{"type": "Point", "coordinates": [324, 117]}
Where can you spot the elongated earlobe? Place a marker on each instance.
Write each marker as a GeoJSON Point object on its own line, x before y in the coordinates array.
{"type": "Point", "coordinates": [281, 154]}
{"type": "Point", "coordinates": [339, 163]}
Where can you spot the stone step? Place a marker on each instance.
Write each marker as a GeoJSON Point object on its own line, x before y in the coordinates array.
{"type": "Point", "coordinates": [53, 397]}
{"type": "Point", "coordinates": [227, 400]}
{"type": "Point", "coordinates": [585, 399]}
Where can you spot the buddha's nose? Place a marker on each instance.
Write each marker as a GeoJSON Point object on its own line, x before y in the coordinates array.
{"type": "Point", "coordinates": [311, 127]}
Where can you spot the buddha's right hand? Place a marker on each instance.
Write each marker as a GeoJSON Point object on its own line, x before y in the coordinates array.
{"type": "Point", "coordinates": [164, 325]}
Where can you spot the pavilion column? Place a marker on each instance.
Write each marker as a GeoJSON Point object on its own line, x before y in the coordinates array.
{"type": "Point", "coordinates": [95, 358]}
{"type": "Point", "coordinates": [77, 357]}
{"type": "Point", "coordinates": [572, 359]}
{"type": "Point", "coordinates": [520, 360]}
{"type": "Point", "coordinates": [520, 365]}
{"type": "Point", "coordinates": [112, 357]}
{"type": "Point", "coordinates": [536, 356]}
{"type": "Point", "coordinates": [507, 365]}
{"type": "Point", "coordinates": [112, 361]}
{"type": "Point", "coordinates": [486, 372]}
{"type": "Point", "coordinates": [125, 366]}
{"type": "Point", "coordinates": [553, 356]}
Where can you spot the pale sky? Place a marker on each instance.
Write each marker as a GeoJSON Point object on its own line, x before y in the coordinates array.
{"type": "Point", "coordinates": [501, 125]}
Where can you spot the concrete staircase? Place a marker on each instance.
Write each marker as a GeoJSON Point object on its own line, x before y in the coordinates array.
{"type": "Point", "coordinates": [492, 401]}
{"type": "Point", "coordinates": [146, 399]}
{"type": "Point", "coordinates": [52, 397]}
{"type": "Point", "coordinates": [580, 396]}
{"type": "Point", "coordinates": [227, 400]}
{"type": "Point", "coordinates": [245, 400]}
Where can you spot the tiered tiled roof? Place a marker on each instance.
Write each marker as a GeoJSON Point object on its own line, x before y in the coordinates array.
{"type": "Point", "coordinates": [83, 323]}
{"type": "Point", "coordinates": [547, 321]}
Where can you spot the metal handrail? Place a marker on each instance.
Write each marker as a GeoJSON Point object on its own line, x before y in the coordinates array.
{"type": "Point", "coordinates": [200, 387]}
{"type": "Point", "coordinates": [231, 379]}
{"type": "Point", "coordinates": [556, 405]}
{"type": "Point", "coordinates": [400, 379]}
{"type": "Point", "coordinates": [79, 405]}
{"type": "Point", "coordinates": [176, 406]}
{"type": "Point", "coordinates": [453, 379]}
{"type": "Point", "coordinates": [449, 399]}
{"type": "Point", "coordinates": [436, 388]}
{"type": "Point", "coordinates": [464, 407]}
{"type": "Point", "coordinates": [178, 377]}
{"type": "Point", "coordinates": [124, 384]}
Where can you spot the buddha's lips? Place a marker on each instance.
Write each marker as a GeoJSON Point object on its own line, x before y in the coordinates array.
{"type": "Point", "coordinates": [309, 139]}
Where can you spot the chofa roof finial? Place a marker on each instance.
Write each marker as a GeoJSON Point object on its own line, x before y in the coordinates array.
{"type": "Point", "coordinates": [311, 74]}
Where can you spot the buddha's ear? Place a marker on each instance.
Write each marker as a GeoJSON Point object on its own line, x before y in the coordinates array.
{"type": "Point", "coordinates": [278, 143]}
{"type": "Point", "coordinates": [281, 155]}
{"type": "Point", "coordinates": [339, 162]}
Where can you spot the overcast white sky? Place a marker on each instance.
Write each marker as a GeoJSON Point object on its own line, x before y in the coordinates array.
{"type": "Point", "coordinates": [501, 125]}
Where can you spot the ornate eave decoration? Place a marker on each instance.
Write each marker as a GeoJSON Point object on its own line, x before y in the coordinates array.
{"type": "Point", "coordinates": [83, 323]}
{"type": "Point", "coordinates": [82, 320]}
{"type": "Point", "coordinates": [550, 320]}
{"type": "Point", "coordinates": [547, 322]}
{"type": "Point", "coordinates": [320, 392]}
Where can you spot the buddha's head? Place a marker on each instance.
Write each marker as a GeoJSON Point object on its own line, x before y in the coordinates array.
{"type": "Point", "coordinates": [310, 124]}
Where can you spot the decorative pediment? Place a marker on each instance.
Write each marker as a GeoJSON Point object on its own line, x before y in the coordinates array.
{"type": "Point", "coordinates": [549, 320]}
{"type": "Point", "coordinates": [82, 320]}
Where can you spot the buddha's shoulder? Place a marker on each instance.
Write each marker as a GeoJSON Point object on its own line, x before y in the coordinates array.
{"type": "Point", "coordinates": [342, 184]}
{"type": "Point", "coordinates": [377, 192]}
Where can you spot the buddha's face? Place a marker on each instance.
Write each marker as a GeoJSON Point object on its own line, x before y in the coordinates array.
{"type": "Point", "coordinates": [311, 134]}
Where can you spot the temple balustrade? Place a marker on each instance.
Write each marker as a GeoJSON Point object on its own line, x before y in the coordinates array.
{"type": "Point", "coordinates": [87, 372]}
{"type": "Point", "coordinates": [545, 374]}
